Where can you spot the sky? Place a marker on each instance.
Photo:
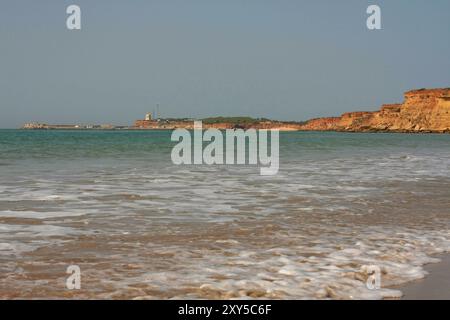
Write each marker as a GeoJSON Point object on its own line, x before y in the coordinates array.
{"type": "Point", "coordinates": [283, 59]}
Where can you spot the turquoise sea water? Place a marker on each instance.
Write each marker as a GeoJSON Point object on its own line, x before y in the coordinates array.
{"type": "Point", "coordinates": [138, 226]}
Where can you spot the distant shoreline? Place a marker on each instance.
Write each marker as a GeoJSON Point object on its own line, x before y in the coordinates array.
{"type": "Point", "coordinates": [423, 111]}
{"type": "Point", "coordinates": [280, 129]}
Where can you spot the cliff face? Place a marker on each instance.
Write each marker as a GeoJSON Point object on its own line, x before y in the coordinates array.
{"type": "Point", "coordinates": [322, 124]}
{"type": "Point", "coordinates": [425, 110]}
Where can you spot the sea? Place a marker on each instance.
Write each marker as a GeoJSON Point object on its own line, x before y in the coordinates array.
{"type": "Point", "coordinates": [137, 226]}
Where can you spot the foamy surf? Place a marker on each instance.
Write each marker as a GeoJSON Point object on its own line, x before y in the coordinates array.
{"type": "Point", "coordinates": [140, 228]}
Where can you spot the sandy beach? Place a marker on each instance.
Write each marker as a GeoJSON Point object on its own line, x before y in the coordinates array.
{"type": "Point", "coordinates": [435, 286]}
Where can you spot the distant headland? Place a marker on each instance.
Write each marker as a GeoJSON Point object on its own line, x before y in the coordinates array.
{"type": "Point", "coordinates": [423, 110]}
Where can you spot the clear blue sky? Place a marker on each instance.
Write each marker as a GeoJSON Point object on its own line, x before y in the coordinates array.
{"type": "Point", "coordinates": [289, 60]}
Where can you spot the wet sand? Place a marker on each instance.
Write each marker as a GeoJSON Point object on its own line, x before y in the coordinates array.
{"type": "Point", "coordinates": [141, 227]}
{"type": "Point", "coordinates": [435, 286]}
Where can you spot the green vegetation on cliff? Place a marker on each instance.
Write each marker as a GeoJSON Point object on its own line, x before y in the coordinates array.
{"type": "Point", "coordinates": [233, 120]}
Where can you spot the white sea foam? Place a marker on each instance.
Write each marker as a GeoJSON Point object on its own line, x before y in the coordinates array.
{"type": "Point", "coordinates": [42, 215]}
{"type": "Point", "coordinates": [190, 232]}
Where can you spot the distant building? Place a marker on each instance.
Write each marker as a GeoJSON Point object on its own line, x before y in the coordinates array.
{"type": "Point", "coordinates": [148, 122]}
{"type": "Point", "coordinates": [34, 125]}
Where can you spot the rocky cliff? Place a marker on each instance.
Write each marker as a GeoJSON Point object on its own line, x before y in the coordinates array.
{"type": "Point", "coordinates": [424, 110]}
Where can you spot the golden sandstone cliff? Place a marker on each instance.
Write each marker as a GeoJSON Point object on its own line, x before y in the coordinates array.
{"type": "Point", "coordinates": [424, 110]}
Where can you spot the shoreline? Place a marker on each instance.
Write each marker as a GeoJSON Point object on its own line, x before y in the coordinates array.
{"type": "Point", "coordinates": [434, 286]}
{"type": "Point", "coordinates": [279, 129]}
